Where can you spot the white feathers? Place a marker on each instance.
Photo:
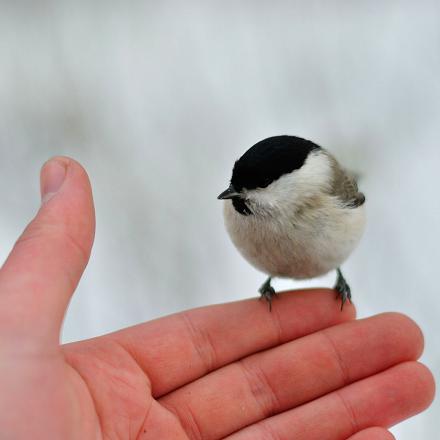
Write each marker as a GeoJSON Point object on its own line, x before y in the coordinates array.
{"type": "Point", "coordinates": [296, 188]}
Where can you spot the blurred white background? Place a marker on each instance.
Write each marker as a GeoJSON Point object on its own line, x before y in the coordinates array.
{"type": "Point", "coordinates": [157, 100]}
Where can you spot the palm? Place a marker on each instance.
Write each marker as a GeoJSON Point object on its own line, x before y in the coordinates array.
{"type": "Point", "coordinates": [235, 371]}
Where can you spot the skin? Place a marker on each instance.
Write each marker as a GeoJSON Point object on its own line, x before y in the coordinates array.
{"type": "Point", "coordinates": [235, 371]}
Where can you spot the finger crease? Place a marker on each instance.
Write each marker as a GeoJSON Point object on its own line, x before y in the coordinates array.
{"type": "Point", "coordinates": [196, 432]}
{"type": "Point", "coordinates": [202, 342]}
{"type": "Point", "coordinates": [345, 374]}
{"type": "Point", "coordinates": [261, 389]}
{"type": "Point", "coordinates": [350, 412]}
{"type": "Point", "coordinates": [84, 254]}
{"type": "Point", "coordinates": [132, 355]}
{"type": "Point", "coordinates": [144, 422]}
{"type": "Point", "coordinates": [59, 234]}
{"type": "Point", "coordinates": [187, 420]}
{"type": "Point", "coordinates": [269, 433]}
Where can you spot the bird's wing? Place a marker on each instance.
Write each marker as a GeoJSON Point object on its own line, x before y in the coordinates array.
{"type": "Point", "coordinates": [346, 189]}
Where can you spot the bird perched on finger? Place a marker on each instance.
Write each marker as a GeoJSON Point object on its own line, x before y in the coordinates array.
{"type": "Point", "coordinates": [293, 211]}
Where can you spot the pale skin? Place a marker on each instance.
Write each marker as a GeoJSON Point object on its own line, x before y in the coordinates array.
{"type": "Point", "coordinates": [231, 371]}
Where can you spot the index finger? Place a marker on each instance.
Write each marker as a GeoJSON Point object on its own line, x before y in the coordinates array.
{"type": "Point", "coordinates": [188, 345]}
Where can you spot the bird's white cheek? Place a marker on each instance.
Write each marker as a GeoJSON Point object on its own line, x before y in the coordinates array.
{"type": "Point", "coordinates": [292, 190]}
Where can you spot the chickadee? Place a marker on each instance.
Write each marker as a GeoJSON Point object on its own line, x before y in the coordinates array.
{"type": "Point", "coordinates": [292, 211]}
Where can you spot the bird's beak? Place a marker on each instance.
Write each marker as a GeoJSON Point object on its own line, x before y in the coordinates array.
{"type": "Point", "coordinates": [228, 193]}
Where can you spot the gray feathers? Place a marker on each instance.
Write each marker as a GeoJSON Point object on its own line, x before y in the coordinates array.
{"type": "Point", "coordinates": [344, 186]}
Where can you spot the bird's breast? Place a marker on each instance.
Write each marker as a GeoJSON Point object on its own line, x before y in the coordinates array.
{"type": "Point", "coordinates": [301, 244]}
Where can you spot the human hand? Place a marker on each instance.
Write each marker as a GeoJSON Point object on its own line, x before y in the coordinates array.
{"type": "Point", "coordinates": [304, 371]}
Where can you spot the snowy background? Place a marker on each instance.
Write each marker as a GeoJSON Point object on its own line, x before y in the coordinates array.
{"type": "Point", "coordinates": [157, 100]}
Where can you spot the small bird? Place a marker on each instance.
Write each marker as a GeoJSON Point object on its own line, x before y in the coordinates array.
{"type": "Point", "coordinates": [292, 211]}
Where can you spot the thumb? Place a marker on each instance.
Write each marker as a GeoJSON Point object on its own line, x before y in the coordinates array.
{"type": "Point", "coordinates": [46, 263]}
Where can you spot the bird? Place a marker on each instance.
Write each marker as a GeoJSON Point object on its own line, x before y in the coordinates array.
{"type": "Point", "coordinates": [293, 211]}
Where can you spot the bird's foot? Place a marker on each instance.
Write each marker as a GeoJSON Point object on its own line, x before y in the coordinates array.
{"type": "Point", "coordinates": [343, 289]}
{"type": "Point", "coordinates": [267, 292]}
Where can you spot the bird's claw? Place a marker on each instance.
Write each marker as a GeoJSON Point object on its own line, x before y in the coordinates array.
{"type": "Point", "coordinates": [343, 289]}
{"type": "Point", "coordinates": [267, 292]}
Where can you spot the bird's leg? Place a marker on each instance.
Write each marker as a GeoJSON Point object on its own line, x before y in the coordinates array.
{"type": "Point", "coordinates": [267, 292]}
{"type": "Point", "coordinates": [342, 288]}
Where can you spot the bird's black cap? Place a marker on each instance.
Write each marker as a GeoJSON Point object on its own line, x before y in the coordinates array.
{"type": "Point", "coordinates": [269, 159]}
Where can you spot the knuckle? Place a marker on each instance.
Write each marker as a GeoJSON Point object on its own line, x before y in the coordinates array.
{"type": "Point", "coordinates": [36, 235]}
{"type": "Point", "coordinates": [201, 341]}
{"type": "Point", "coordinates": [260, 387]}
{"type": "Point", "coordinates": [337, 355]}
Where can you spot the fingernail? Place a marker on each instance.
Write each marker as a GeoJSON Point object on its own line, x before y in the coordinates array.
{"type": "Point", "coordinates": [52, 177]}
